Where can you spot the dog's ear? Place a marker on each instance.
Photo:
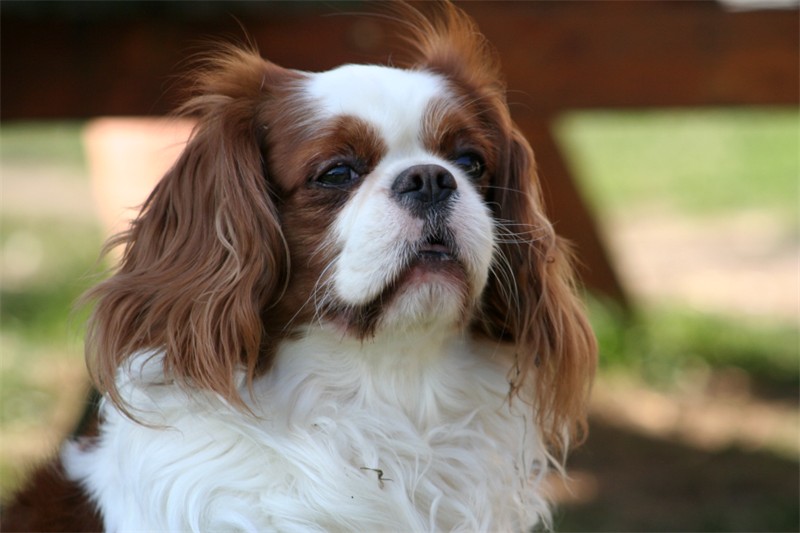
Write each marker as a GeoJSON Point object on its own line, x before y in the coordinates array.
{"type": "Point", "coordinates": [532, 301]}
{"type": "Point", "coordinates": [206, 254]}
{"type": "Point", "coordinates": [446, 40]}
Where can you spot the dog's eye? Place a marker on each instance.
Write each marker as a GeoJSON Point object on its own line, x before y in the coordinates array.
{"type": "Point", "coordinates": [340, 175]}
{"type": "Point", "coordinates": [471, 164]}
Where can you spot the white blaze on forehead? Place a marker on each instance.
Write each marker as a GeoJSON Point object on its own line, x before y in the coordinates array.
{"type": "Point", "coordinates": [392, 100]}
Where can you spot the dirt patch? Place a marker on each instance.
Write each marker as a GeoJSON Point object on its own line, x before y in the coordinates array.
{"type": "Point", "coordinates": [747, 263]}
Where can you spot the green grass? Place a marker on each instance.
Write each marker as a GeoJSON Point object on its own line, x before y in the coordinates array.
{"type": "Point", "coordinates": [42, 143]}
{"type": "Point", "coordinates": [39, 324]}
{"type": "Point", "coordinates": [663, 345]}
{"type": "Point", "coordinates": [49, 263]}
{"type": "Point", "coordinates": [48, 259]}
{"type": "Point", "coordinates": [690, 161]}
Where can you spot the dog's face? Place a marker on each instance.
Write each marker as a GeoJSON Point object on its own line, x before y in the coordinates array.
{"type": "Point", "coordinates": [384, 206]}
{"type": "Point", "coordinates": [368, 199]}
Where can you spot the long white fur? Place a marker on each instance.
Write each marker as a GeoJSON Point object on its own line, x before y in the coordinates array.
{"type": "Point", "coordinates": [409, 431]}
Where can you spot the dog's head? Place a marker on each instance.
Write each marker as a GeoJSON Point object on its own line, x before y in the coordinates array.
{"type": "Point", "coordinates": [367, 199]}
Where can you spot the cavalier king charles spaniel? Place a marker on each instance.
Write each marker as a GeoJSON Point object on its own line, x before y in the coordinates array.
{"type": "Point", "coordinates": [343, 309]}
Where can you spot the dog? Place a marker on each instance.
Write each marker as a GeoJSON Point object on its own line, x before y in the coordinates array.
{"type": "Point", "coordinates": [343, 309]}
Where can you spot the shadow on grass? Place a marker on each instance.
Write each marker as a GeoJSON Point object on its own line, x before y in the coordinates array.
{"type": "Point", "coordinates": [644, 484]}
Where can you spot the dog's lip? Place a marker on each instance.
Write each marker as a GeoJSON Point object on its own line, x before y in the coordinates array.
{"type": "Point", "coordinates": [434, 248]}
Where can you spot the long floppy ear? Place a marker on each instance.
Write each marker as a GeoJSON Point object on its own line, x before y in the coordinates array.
{"type": "Point", "coordinates": [532, 301]}
{"type": "Point", "coordinates": [531, 298]}
{"type": "Point", "coordinates": [206, 254]}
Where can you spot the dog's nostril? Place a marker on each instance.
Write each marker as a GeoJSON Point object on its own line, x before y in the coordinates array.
{"type": "Point", "coordinates": [424, 185]}
{"type": "Point", "coordinates": [446, 181]}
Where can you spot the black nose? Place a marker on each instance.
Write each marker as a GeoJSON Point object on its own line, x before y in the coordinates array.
{"type": "Point", "coordinates": [424, 187]}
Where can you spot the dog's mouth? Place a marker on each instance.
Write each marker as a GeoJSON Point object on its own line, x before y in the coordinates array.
{"type": "Point", "coordinates": [436, 247]}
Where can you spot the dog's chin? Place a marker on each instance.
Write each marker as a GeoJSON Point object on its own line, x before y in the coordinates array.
{"type": "Point", "coordinates": [433, 291]}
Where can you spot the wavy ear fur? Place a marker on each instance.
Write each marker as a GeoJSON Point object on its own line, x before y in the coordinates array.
{"type": "Point", "coordinates": [535, 303]}
{"type": "Point", "coordinates": [531, 297]}
{"type": "Point", "coordinates": [206, 254]}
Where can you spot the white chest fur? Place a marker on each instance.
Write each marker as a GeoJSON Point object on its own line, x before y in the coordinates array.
{"type": "Point", "coordinates": [392, 435]}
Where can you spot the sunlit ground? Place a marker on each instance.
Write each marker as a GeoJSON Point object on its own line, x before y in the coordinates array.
{"type": "Point", "coordinates": [695, 421]}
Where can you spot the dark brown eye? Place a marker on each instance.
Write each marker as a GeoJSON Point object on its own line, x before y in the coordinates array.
{"type": "Point", "coordinates": [339, 176]}
{"type": "Point", "coordinates": [471, 164]}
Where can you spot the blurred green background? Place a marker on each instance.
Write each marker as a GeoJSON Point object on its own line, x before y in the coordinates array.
{"type": "Point", "coordinates": [695, 420]}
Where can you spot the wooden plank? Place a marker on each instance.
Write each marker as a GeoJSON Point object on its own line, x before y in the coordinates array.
{"type": "Point", "coordinates": [568, 55]}
{"type": "Point", "coordinates": [557, 55]}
